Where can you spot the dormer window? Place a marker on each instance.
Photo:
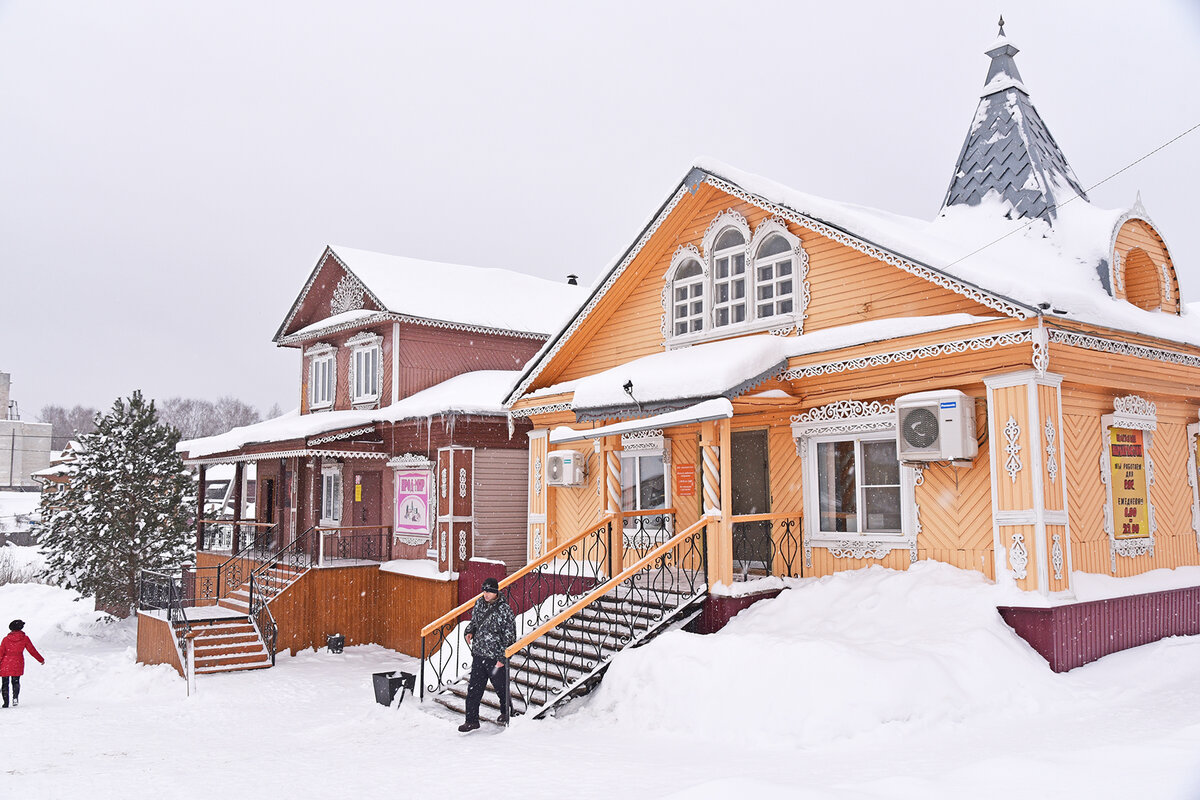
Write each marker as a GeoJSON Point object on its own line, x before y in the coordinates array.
{"type": "Point", "coordinates": [322, 375]}
{"type": "Point", "coordinates": [365, 359]}
{"type": "Point", "coordinates": [741, 284]}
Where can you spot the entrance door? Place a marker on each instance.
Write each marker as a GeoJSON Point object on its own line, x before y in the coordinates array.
{"type": "Point", "coordinates": [751, 495]}
{"type": "Point", "coordinates": [366, 516]}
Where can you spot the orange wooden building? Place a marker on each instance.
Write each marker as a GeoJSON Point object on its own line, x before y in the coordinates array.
{"type": "Point", "coordinates": [1010, 388]}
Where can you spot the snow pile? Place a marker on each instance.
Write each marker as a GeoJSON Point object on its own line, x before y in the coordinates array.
{"type": "Point", "coordinates": [1096, 586]}
{"type": "Point", "coordinates": [16, 510]}
{"type": "Point", "coordinates": [838, 657]}
{"type": "Point", "coordinates": [20, 565]}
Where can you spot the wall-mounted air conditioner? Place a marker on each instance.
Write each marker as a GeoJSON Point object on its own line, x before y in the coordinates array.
{"type": "Point", "coordinates": [565, 468]}
{"type": "Point", "coordinates": [936, 426]}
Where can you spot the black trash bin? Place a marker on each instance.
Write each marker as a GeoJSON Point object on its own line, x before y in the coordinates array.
{"type": "Point", "coordinates": [336, 642]}
{"type": "Point", "coordinates": [388, 683]}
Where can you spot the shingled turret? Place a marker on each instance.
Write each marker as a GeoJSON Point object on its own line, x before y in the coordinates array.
{"type": "Point", "coordinates": [1009, 150]}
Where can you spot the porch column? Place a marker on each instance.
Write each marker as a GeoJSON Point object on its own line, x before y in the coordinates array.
{"type": "Point", "coordinates": [612, 491]}
{"type": "Point", "coordinates": [714, 455]}
{"type": "Point", "coordinates": [238, 472]}
{"type": "Point", "coordinates": [203, 487]}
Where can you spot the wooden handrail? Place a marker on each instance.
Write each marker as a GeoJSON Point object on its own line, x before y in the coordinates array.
{"type": "Point", "coordinates": [654, 512]}
{"type": "Point", "coordinates": [610, 583]}
{"type": "Point", "coordinates": [523, 571]}
{"type": "Point", "coordinates": [764, 517]}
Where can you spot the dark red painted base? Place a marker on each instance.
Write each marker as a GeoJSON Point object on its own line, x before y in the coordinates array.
{"type": "Point", "coordinates": [718, 610]}
{"type": "Point", "coordinates": [471, 577]}
{"type": "Point", "coordinates": [1073, 635]}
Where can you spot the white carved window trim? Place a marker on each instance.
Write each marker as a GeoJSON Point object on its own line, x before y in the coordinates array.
{"type": "Point", "coordinates": [685, 255]}
{"type": "Point", "coordinates": [1193, 474]}
{"type": "Point", "coordinates": [715, 280]}
{"type": "Point", "coordinates": [778, 323]}
{"type": "Point", "coordinates": [365, 345]}
{"type": "Point", "coordinates": [842, 421]}
{"type": "Point", "coordinates": [1134, 413]}
{"type": "Point", "coordinates": [331, 494]}
{"type": "Point", "coordinates": [322, 359]}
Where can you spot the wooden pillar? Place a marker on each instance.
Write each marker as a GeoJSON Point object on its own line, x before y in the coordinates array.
{"type": "Point", "coordinates": [724, 567]}
{"type": "Point", "coordinates": [200, 507]}
{"type": "Point", "coordinates": [239, 470]}
{"type": "Point", "coordinates": [716, 497]}
{"type": "Point", "coordinates": [611, 453]}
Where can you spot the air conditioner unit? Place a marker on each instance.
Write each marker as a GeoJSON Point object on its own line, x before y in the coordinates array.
{"type": "Point", "coordinates": [565, 468]}
{"type": "Point", "coordinates": [936, 426]}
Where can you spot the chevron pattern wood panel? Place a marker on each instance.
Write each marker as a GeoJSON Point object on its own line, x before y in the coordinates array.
{"type": "Point", "coordinates": [577, 508]}
{"type": "Point", "coordinates": [787, 493]}
{"type": "Point", "coordinates": [1171, 494]}
{"type": "Point", "coordinates": [956, 518]}
{"type": "Point", "coordinates": [1085, 493]}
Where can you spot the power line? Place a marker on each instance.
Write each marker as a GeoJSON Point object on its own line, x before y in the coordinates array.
{"type": "Point", "coordinates": [1076, 196]}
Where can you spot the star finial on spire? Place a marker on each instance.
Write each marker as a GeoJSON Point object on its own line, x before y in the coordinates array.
{"type": "Point", "coordinates": [1001, 25]}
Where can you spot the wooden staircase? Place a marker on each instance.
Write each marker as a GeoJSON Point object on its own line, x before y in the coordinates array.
{"type": "Point", "coordinates": [227, 644]}
{"type": "Point", "coordinates": [275, 578]}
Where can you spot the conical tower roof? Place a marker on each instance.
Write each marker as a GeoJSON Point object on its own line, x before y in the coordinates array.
{"type": "Point", "coordinates": [1009, 150]}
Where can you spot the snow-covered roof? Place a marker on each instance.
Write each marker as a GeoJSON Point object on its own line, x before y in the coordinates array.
{"type": "Point", "coordinates": [723, 368]}
{"type": "Point", "coordinates": [496, 299]}
{"type": "Point", "coordinates": [479, 392]}
{"type": "Point", "coordinates": [1009, 150]}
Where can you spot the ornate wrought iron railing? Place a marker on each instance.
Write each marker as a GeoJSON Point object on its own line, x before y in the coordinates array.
{"type": "Point", "coordinates": [235, 571]}
{"type": "Point", "coordinates": [564, 653]}
{"type": "Point", "coordinates": [230, 536]}
{"type": "Point", "coordinates": [643, 531]}
{"type": "Point", "coordinates": [264, 620]}
{"type": "Point", "coordinates": [354, 543]}
{"type": "Point", "coordinates": [158, 591]}
{"type": "Point", "coordinates": [768, 544]}
{"type": "Point", "coordinates": [536, 593]}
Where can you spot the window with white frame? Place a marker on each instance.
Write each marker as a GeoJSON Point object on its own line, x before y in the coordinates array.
{"type": "Point", "coordinates": [364, 371]}
{"type": "Point", "coordinates": [859, 500]}
{"type": "Point", "coordinates": [322, 376]}
{"type": "Point", "coordinates": [729, 278]}
{"type": "Point", "coordinates": [858, 486]}
{"type": "Point", "coordinates": [643, 482]}
{"type": "Point", "coordinates": [687, 292]}
{"type": "Point", "coordinates": [331, 495]}
{"type": "Point", "coordinates": [744, 282]}
{"type": "Point", "coordinates": [774, 278]}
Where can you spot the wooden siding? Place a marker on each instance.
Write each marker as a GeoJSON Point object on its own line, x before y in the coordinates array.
{"type": "Point", "coordinates": [955, 512]}
{"type": "Point", "coordinates": [500, 506]}
{"type": "Point", "coordinates": [1139, 243]}
{"type": "Point", "coordinates": [576, 508]}
{"type": "Point", "coordinates": [364, 604]}
{"type": "Point", "coordinates": [316, 303]}
{"type": "Point", "coordinates": [156, 642]}
{"type": "Point", "coordinates": [431, 355]}
{"type": "Point", "coordinates": [846, 286]}
{"type": "Point", "coordinates": [685, 449]}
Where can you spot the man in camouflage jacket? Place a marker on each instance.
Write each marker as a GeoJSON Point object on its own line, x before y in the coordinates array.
{"type": "Point", "coordinates": [490, 632]}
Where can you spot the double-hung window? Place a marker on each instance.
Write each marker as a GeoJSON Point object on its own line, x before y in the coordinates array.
{"type": "Point", "coordinates": [643, 483]}
{"type": "Point", "coordinates": [688, 298]}
{"type": "Point", "coordinates": [774, 279]}
{"type": "Point", "coordinates": [365, 375]}
{"type": "Point", "coordinates": [331, 495]}
{"type": "Point", "coordinates": [322, 376]}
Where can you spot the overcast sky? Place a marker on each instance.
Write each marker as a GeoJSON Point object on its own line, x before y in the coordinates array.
{"type": "Point", "coordinates": [170, 171]}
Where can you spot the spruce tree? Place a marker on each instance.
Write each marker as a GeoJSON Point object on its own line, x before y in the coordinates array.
{"type": "Point", "coordinates": [124, 510]}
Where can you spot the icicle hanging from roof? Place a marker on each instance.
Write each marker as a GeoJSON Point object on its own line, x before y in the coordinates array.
{"type": "Point", "coordinates": [1009, 150]}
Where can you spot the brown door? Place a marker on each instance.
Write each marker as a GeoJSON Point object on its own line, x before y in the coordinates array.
{"type": "Point", "coordinates": [367, 515]}
{"type": "Point", "coordinates": [751, 495]}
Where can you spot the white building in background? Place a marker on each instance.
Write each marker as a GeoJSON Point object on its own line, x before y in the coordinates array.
{"type": "Point", "coordinates": [24, 446]}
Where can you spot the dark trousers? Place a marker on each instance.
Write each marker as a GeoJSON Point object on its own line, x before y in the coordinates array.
{"type": "Point", "coordinates": [16, 687]}
{"type": "Point", "coordinates": [482, 670]}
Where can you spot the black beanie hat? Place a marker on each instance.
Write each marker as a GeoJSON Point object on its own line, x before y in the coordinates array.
{"type": "Point", "coordinates": [490, 585]}
{"type": "Point", "coordinates": [16, 625]}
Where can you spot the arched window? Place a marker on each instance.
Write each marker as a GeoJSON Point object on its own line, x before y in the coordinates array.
{"type": "Point", "coordinates": [729, 278]}
{"type": "Point", "coordinates": [774, 278]}
{"type": "Point", "coordinates": [687, 298]}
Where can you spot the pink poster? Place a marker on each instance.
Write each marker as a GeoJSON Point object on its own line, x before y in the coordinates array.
{"type": "Point", "coordinates": [414, 500]}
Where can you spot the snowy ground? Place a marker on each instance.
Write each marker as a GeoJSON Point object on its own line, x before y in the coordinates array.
{"type": "Point", "coordinates": [16, 509]}
{"type": "Point", "coordinates": [872, 684]}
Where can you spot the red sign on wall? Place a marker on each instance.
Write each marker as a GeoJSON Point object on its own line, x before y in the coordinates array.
{"type": "Point", "coordinates": [685, 480]}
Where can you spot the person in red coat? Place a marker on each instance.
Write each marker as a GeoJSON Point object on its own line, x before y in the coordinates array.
{"type": "Point", "coordinates": [12, 660]}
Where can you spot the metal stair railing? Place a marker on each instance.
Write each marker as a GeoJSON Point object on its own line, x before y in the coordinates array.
{"type": "Point", "coordinates": [235, 571]}
{"type": "Point", "coordinates": [637, 604]}
{"type": "Point", "coordinates": [158, 591]}
{"type": "Point", "coordinates": [299, 556]}
{"type": "Point", "coordinates": [536, 592]}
